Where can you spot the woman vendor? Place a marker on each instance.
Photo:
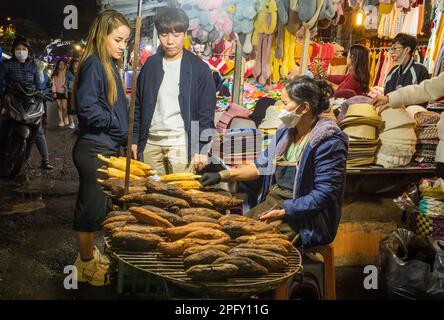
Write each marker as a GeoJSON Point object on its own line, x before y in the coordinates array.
{"type": "Point", "coordinates": [304, 167]}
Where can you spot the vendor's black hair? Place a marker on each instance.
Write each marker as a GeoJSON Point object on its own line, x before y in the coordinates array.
{"type": "Point", "coordinates": [407, 41]}
{"type": "Point", "coordinates": [171, 20]}
{"type": "Point", "coordinates": [316, 92]}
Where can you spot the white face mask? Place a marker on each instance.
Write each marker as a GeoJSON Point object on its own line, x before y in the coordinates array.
{"type": "Point", "coordinates": [21, 54]}
{"type": "Point", "coordinates": [289, 118]}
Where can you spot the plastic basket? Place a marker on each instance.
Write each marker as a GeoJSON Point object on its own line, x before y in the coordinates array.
{"type": "Point", "coordinates": [431, 226]}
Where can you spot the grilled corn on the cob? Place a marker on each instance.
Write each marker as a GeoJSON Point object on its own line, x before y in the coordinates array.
{"type": "Point", "coordinates": [117, 164]}
{"type": "Point", "coordinates": [186, 184]}
{"type": "Point", "coordinates": [116, 173]}
{"type": "Point", "coordinates": [179, 177]}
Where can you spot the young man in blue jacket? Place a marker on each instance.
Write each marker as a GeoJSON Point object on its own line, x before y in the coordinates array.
{"type": "Point", "coordinates": [176, 100]}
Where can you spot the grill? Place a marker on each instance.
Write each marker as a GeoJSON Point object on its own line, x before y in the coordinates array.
{"type": "Point", "coordinates": [171, 269]}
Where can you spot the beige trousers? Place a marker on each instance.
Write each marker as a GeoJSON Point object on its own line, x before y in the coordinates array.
{"type": "Point", "coordinates": [166, 159]}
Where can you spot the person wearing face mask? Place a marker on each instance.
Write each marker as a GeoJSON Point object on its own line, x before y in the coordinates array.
{"type": "Point", "coordinates": [102, 111]}
{"type": "Point", "coordinates": [22, 69]}
{"type": "Point", "coordinates": [303, 168]}
{"type": "Point", "coordinates": [407, 71]}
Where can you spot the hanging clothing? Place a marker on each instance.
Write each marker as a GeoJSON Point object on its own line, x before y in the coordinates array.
{"type": "Point", "coordinates": [411, 22]}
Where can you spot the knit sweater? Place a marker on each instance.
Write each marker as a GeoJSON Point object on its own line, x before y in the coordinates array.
{"type": "Point", "coordinates": [427, 90]}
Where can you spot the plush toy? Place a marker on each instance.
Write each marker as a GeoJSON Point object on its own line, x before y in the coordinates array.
{"type": "Point", "coordinates": [339, 15]}
{"type": "Point", "coordinates": [326, 15]}
{"type": "Point", "coordinates": [265, 26]}
{"type": "Point", "coordinates": [306, 9]}
{"type": "Point", "coordinates": [245, 12]}
{"type": "Point", "coordinates": [283, 6]}
{"type": "Point", "coordinates": [371, 17]}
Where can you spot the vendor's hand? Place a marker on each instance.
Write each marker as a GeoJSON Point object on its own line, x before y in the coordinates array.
{"type": "Point", "coordinates": [210, 179]}
{"type": "Point", "coordinates": [380, 101]}
{"type": "Point", "coordinates": [134, 151]}
{"type": "Point", "coordinates": [199, 162]}
{"type": "Point", "coordinates": [272, 215]}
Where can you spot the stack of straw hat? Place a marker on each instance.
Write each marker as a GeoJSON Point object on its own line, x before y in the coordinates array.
{"type": "Point", "coordinates": [361, 123]}
{"type": "Point", "coordinates": [398, 139]}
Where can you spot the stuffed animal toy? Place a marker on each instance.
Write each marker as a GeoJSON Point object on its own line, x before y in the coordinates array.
{"type": "Point", "coordinates": [326, 15]}
{"type": "Point", "coordinates": [245, 12]}
{"type": "Point", "coordinates": [265, 26]}
{"type": "Point", "coordinates": [283, 9]}
{"type": "Point", "coordinates": [339, 15]}
{"type": "Point", "coordinates": [371, 17]}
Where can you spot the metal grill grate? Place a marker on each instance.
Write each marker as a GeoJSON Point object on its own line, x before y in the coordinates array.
{"type": "Point", "coordinates": [172, 269]}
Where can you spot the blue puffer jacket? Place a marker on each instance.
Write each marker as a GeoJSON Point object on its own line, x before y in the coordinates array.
{"type": "Point", "coordinates": [319, 184]}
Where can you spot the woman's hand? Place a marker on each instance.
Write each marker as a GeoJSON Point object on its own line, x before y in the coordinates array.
{"type": "Point", "coordinates": [210, 179]}
{"type": "Point", "coordinates": [272, 215]}
{"type": "Point", "coordinates": [380, 101]}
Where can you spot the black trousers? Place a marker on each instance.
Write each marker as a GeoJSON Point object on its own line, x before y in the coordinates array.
{"type": "Point", "coordinates": [91, 202]}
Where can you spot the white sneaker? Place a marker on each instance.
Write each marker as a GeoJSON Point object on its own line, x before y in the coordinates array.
{"type": "Point", "coordinates": [92, 271]}
{"type": "Point", "coordinates": [101, 258]}
{"type": "Point", "coordinates": [72, 126]}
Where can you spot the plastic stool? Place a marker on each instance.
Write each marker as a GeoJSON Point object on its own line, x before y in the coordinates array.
{"type": "Point", "coordinates": [327, 253]}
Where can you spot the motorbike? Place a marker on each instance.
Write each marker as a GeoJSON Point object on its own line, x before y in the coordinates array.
{"type": "Point", "coordinates": [23, 109]}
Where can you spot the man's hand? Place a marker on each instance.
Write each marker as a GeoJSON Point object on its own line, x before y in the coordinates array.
{"type": "Point", "coordinates": [134, 151]}
{"type": "Point", "coordinates": [210, 179]}
{"type": "Point", "coordinates": [272, 215]}
{"type": "Point", "coordinates": [199, 162]}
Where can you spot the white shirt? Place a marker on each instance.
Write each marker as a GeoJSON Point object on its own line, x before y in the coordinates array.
{"type": "Point", "coordinates": [167, 127]}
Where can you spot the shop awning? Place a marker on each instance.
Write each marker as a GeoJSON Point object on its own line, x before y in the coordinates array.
{"type": "Point", "coordinates": [129, 7]}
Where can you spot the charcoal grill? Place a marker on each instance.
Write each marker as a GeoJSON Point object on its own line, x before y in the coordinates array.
{"type": "Point", "coordinates": [171, 269]}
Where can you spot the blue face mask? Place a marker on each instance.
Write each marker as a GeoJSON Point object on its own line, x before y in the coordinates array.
{"type": "Point", "coordinates": [21, 54]}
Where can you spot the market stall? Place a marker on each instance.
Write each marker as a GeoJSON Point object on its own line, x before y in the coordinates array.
{"type": "Point", "coordinates": [256, 46]}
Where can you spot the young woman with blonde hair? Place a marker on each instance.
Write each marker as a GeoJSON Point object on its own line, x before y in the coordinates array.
{"type": "Point", "coordinates": [99, 98]}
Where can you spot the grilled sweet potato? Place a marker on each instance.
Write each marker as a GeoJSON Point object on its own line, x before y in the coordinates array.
{"type": "Point", "coordinates": [167, 189]}
{"type": "Point", "coordinates": [281, 242]}
{"type": "Point", "coordinates": [212, 272]}
{"type": "Point", "coordinates": [117, 214]}
{"type": "Point", "coordinates": [208, 234]}
{"type": "Point", "coordinates": [268, 247]}
{"type": "Point", "coordinates": [271, 236]}
{"type": "Point", "coordinates": [119, 218]}
{"type": "Point", "coordinates": [200, 212]}
{"type": "Point", "coordinates": [109, 228]}
{"type": "Point", "coordinates": [198, 248]}
{"type": "Point", "coordinates": [236, 230]}
{"type": "Point", "coordinates": [204, 257]}
{"type": "Point", "coordinates": [197, 218]}
{"type": "Point", "coordinates": [247, 267]}
{"type": "Point", "coordinates": [180, 232]}
{"type": "Point", "coordinates": [135, 241]}
{"type": "Point", "coordinates": [179, 246]}
{"type": "Point", "coordinates": [269, 260]}
{"type": "Point", "coordinates": [200, 203]}
{"type": "Point", "coordinates": [150, 218]}
{"type": "Point", "coordinates": [218, 200]}
{"type": "Point", "coordinates": [155, 199]}
{"type": "Point", "coordinates": [140, 228]}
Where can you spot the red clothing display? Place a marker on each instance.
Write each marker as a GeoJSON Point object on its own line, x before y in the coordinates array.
{"type": "Point", "coordinates": [348, 82]}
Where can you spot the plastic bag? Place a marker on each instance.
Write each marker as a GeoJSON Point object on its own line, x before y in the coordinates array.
{"type": "Point", "coordinates": [411, 266]}
{"type": "Point", "coordinates": [408, 201]}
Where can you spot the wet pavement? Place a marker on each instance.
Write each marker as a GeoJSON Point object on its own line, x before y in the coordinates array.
{"type": "Point", "coordinates": [36, 237]}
